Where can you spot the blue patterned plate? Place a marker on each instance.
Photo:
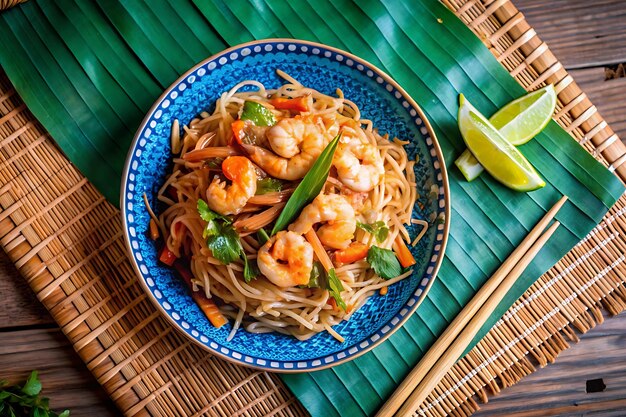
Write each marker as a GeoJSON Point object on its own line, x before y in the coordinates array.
{"type": "Point", "coordinates": [326, 69]}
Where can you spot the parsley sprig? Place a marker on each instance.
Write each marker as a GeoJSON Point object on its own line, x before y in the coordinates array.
{"type": "Point", "coordinates": [25, 401]}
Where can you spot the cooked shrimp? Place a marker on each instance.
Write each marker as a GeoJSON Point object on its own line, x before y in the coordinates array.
{"type": "Point", "coordinates": [296, 143]}
{"type": "Point", "coordinates": [359, 165]}
{"type": "Point", "coordinates": [336, 212]}
{"type": "Point", "coordinates": [230, 199]}
{"type": "Point", "coordinates": [286, 259]}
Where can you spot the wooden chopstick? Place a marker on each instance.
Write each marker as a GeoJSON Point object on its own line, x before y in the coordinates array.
{"type": "Point", "coordinates": [451, 344]}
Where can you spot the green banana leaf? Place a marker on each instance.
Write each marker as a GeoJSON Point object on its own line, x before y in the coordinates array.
{"type": "Point", "coordinates": [89, 71]}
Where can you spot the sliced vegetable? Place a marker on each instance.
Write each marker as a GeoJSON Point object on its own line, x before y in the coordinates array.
{"type": "Point", "coordinates": [384, 262]}
{"type": "Point", "coordinates": [268, 185]}
{"type": "Point", "coordinates": [319, 250]}
{"type": "Point", "coordinates": [335, 287]}
{"type": "Point", "coordinates": [167, 256]}
{"type": "Point", "coordinates": [154, 229]}
{"type": "Point", "coordinates": [355, 252]}
{"type": "Point", "coordinates": [238, 128]}
{"type": "Point", "coordinates": [378, 229]}
{"type": "Point", "coordinates": [262, 236]}
{"type": "Point", "coordinates": [383, 290]}
{"type": "Point", "coordinates": [250, 269]}
{"type": "Point", "coordinates": [293, 104]}
{"type": "Point", "coordinates": [318, 277]}
{"type": "Point", "coordinates": [208, 307]}
{"type": "Point", "coordinates": [309, 187]}
{"type": "Point", "coordinates": [403, 252]}
{"type": "Point", "coordinates": [258, 114]}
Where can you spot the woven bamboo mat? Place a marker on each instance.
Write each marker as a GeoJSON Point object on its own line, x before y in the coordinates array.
{"type": "Point", "coordinates": [66, 240]}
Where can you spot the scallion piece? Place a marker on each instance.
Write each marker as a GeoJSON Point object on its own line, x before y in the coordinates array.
{"type": "Point", "coordinates": [309, 187]}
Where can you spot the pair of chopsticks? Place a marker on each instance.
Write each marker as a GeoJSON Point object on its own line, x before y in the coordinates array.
{"type": "Point", "coordinates": [444, 353]}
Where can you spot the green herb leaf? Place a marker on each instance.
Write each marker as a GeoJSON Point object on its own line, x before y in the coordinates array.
{"type": "Point", "coordinates": [211, 217]}
{"type": "Point", "coordinates": [262, 236]}
{"type": "Point", "coordinates": [384, 262]}
{"type": "Point", "coordinates": [318, 277]}
{"type": "Point", "coordinates": [225, 244]}
{"type": "Point", "coordinates": [223, 240]}
{"type": "Point", "coordinates": [378, 229]}
{"type": "Point", "coordinates": [268, 185]}
{"type": "Point", "coordinates": [65, 413]}
{"type": "Point", "coordinates": [258, 114]}
{"type": "Point", "coordinates": [335, 287]}
{"type": "Point", "coordinates": [33, 385]}
{"type": "Point", "coordinates": [250, 269]}
{"type": "Point", "coordinates": [23, 401]}
{"type": "Point", "coordinates": [309, 187]}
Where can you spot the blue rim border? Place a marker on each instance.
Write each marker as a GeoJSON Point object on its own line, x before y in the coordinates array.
{"type": "Point", "coordinates": [215, 62]}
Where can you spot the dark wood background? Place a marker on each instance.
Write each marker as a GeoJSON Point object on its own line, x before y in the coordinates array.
{"type": "Point", "coordinates": [588, 37]}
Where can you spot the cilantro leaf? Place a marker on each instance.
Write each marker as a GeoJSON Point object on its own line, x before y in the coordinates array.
{"type": "Point", "coordinates": [384, 262]}
{"type": "Point", "coordinates": [335, 287]}
{"type": "Point", "coordinates": [225, 244]}
{"type": "Point", "coordinates": [32, 385]}
{"type": "Point", "coordinates": [268, 185]}
{"type": "Point", "coordinates": [25, 400]}
{"type": "Point", "coordinates": [250, 269]}
{"type": "Point", "coordinates": [209, 215]}
{"type": "Point", "coordinates": [223, 240]}
{"type": "Point", "coordinates": [212, 218]}
{"type": "Point", "coordinates": [378, 229]}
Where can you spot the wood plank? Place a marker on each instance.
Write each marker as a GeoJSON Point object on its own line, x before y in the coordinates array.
{"type": "Point", "coordinates": [20, 306]}
{"type": "Point", "coordinates": [65, 378]}
{"type": "Point", "coordinates": [581, 33]}
{"type": "Point", "coordinates": [560, 388]}
{"type": "Point", "coordinates": [608, 96]}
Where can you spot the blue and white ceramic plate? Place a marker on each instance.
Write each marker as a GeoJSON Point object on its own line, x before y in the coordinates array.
{"type": "Point", "coordinates": [324, 68]}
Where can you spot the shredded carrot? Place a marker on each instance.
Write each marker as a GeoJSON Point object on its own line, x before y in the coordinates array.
{"type": "Point", "coordinates": [235, 166]}
{"type": "Point", "coordinates": [210, 310]}
{"type": "Point", "coordinates": [167, 256]}
{"type": "Point", "coordinates": [208, 307]}
{"type": "Point", "coordinates": [355, 252]}
{"type": "Point", "coordinates": [318, 248]}
{"type": "Point", "coordinates": [154, 229]}
{"type": "Point", "coordinates": [238, 130]}
{"type": "Point", "coordinates": [383, 290]}
{"type": "Point", "coordinates": [403, 253]}
{"type": "Point", "coordinates": [297, 103]}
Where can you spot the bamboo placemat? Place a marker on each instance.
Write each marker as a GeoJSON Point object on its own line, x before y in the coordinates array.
{"type": "Point", "coordinates": [67, 242]}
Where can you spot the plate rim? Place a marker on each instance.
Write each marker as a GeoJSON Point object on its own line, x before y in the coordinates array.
{"type": "Point", "coordinates": [348, 357]}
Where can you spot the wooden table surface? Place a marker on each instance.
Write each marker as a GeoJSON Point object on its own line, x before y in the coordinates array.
{"type": "Point", "coordinates": [586, 36]}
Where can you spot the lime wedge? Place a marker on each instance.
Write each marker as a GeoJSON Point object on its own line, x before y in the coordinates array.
{"type": "Point", "coordinates": [522, 119]}
{"type": "Point", "coordinates": [499, 157]}
{"type": "Point", "coordinates": [469, 165]}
